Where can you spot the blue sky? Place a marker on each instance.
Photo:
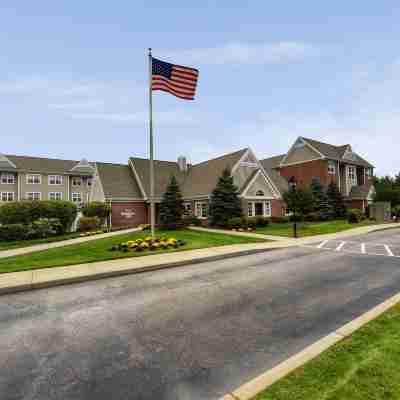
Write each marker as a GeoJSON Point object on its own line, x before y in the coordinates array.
{"type": "Point", "coordinates": [74, 76]}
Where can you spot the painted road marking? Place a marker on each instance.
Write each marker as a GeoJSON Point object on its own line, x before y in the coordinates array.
{"type": "Point", "coordinates": [352, 247]}
{"type": "Point", "coordinates": [340, 246]}
{"type": "Point", "coordinates": [321, 245]}
{"type": "Point", "coordinates": [363, 251]}
{"type": "Point", "coordinates": [389, 251]}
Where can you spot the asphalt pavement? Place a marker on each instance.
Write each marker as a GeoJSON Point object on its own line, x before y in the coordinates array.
{"type": "Point", "coordinates": [194, 332]}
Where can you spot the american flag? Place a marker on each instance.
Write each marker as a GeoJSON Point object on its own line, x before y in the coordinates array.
{"type": "Point", "coordinates": [175, 79]}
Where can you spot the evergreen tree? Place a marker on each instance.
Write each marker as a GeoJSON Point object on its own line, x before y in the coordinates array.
{"type": "Point", "coordinates": [225, 202]}
{"type": "Point", "coordinates": [321, 203]}
{"type": "Point", "coordinates": [299, 201]}
{"type": "Point", "coordinates": [171, 207]}
{"type": "Point", "coordinates": [336, 201]}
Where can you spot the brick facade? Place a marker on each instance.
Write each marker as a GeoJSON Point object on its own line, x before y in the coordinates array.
{"type": "Point", "coordinates": [304, 173]}
{"type": "Point", "coordinates": [128, 213]}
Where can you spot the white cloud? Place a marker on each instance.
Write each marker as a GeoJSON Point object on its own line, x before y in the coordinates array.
{"type": "Point", "coordinates": [244, 53]}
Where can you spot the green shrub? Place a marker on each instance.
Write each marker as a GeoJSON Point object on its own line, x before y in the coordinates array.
{"type": "Point", "coordinates": [279, 220]}
{"type": "Point", "coordinates": [26, 212]}
{"type": "Point", "coordinates": [89, 224]}
{"type": "Point", "coordinates": [97, 209]}
{"type": "Point", "coordinates": [13, 232]}
{"type": "Point", "coordinates": [252, 222]}
{"type": "Point", "coordinates": [234, 223]}
{"type": "Point", "coordinates": [191, 220]}
{"type": "Point", "coordinates": [318, 216]}
{"type": "Point", "coordinates": [262, 221]}
{"type": "Point", "coordinates": [354, 216]}
{"type": "Point", "coordinates": [45, 227]}
{"type": "Point", "coordinates": [296, 218]}
{"type": "Point", "coordinates": [396, 211]}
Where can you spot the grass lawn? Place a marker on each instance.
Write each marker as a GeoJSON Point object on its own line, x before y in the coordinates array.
{"type": "Point", "coordinates": [25, 243]}
{"type": "Point", "coordinates": [99, 250]}
{"type": "Point", "coordinates": [311, 228]}
{"type": "Point", "coordinates": [365, 366]}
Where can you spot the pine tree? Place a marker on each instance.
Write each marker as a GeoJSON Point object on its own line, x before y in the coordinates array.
{"type": "Point", "coordinates": [225, 202]}
{"type": "Point", "coordinates": [335, 200]}
{"type": "Point", "coordinates": [171, 207]}
{"type": "Point", "coordinates": [321, 203]}
{"type": "Point", "coordinates": [299, 201]}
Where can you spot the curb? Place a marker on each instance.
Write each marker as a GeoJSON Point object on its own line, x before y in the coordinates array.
{"type": "Point", "coordinates": [254, 387]}
{"type": "Point", "coordinates": [24, 283]}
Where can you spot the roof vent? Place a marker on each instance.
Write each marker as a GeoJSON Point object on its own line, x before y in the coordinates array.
{"type": "Point", "coordinates": [182, 164]}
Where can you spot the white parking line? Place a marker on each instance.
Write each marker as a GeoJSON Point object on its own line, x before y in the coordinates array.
{"type": "Point", "coordinates": [387, 248]}
{"type": "Point", "coordinates": [340, 246]}
{"type": "Point", "coordinates": [363, 251]}
{"type": "Point", "coordinates": [321, 245]}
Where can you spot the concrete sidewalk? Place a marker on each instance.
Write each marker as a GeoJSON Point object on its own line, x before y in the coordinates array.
{"type": "Point", "coordinates": [62, 243]}
{"type": "Point", "coordinates": [47, 277]}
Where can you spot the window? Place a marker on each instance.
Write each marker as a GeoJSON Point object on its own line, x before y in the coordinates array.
{"type": "Point", "coordinates": [34, 196]}
{"type": "Point", "coordinates": [352, 175]}
{"type": "Point", "coordinates": [249, 209]}
{"type": "Point", "coordinates": [267, 209]}
{"type": "Point", "coordinates": [7, 196]}
{"type": "Point", "coordinates": [55, 180]}
{"type": "Point", "coordinates": [368, 172]}
{"type": "Point", "coordinates": [33, 179]}
{"type": "Point", "coordinates": [7, 179]}
{"type": "Point", "coordinates": [55, 196]}
{"type": "Point", "coordinates": [76, 181]}
{"type": "Point", "coordinates": [331, 168]}
{"type": "Point", "coordinates": [259, 193]}
{"type": "Point", "coordinates": [187, 208]}
{"type": "Point", "coordinates": [89, 182]}
{"type": "Point", "coordinates": [77, 197]}
{"type": "Point", "coordinates": [201, 209]}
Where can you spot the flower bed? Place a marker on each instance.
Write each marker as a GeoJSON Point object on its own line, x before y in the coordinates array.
{"type": "Point", "coordinates": [91, 233]}
{"type": "Point", "coordinates": [149, 243]}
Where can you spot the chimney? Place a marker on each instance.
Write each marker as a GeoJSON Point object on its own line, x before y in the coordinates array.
{"type": "Point", "coordinates": [182, 164]}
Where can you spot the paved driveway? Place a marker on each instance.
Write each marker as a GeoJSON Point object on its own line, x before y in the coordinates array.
{"type": "Point", "coordinates": [187, 333]}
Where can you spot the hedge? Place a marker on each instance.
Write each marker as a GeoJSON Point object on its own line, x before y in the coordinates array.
{"type": "Point", "coordinates": [96, 209]}
{"type": "Point", "coordinates": [89, 224]}
{"type": "Point", "coordinates": [26, 212]}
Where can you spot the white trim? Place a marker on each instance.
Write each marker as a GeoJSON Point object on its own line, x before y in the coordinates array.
{"type": "Point", "coordinates": [55, 193]}
{"type": "Point", "coordinates": [34, 183]}
{"type": "Point", "coordinates": [196, 203]}
{"type": "Point", "coordinates": [236, 166]}
{"type": "Point", "coordinates": [331, 167]}
{"type": "Point", "coordinates": [80, 195]}
{"type": "Point", "coordinates": [19, 186]}
{"type": "Point", "coordinates": [7, 193]}
{"type": "Point", "coordinates": [252, 180]}
{"type": "Point", "coordinates": [55, 179]}
{"type": "Point", "coordinates": [139, 182]}
{"type": "Point", "coordinates": [8, 174]}
{"type": "Point", "coordinates": [6, 159]}
{"type": "Point", "coordinates": [264, 205]}
{"type": "Point", "coordinates": [301, 162]}
{"type": "Point", "coordinates": [282, 163]}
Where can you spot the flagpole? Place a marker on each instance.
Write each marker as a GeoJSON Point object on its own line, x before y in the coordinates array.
{"type": "Point", "coordinates": [152, 211]}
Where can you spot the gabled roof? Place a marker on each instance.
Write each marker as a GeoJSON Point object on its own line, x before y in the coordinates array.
{"type": "Point", "coordinates": [360, 192]}
{"type": "Point", "coordinates": [272, 162]}
{"type": "Point", "coordinates": [198, 180]}
{"type": "Point", "coordinates": [163, 170]}
{"type": "Point", "coordinates": [45, 165]}
{"type": "Point", "coordinates": [336, 152]}
{"type": "Point", "coordinates": [278, 180]}
{"type": "Point", "coordinates": [118, 181]}
{"type": "Point", "coordinates": [202, 178]}
{"type": "Point", "coordinates": [83, 167]}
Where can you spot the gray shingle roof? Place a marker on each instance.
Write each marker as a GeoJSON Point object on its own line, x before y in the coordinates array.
{"type": "Point", "coordinates": [118, 181]}
{"type": "Point", "coordinates": [202, 178]}
{"type": "Point", "coordinates": [278, 180]}
{"type": "Point", "coordinates": [44, 165]}
{"type": "Point", "coordinates": [336, 152]}
{"type": "Point", "coordinates": [272, 162]}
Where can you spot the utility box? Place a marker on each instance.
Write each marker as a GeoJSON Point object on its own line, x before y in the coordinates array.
{"type": "Point", "coordinates": [380, 211]}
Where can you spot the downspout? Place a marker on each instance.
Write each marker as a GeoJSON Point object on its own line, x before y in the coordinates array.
{"type": "Point", "coordinates": [338, 165]}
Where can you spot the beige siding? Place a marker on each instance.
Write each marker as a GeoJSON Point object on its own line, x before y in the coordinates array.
{"type": "Point", "coordinates": [242, 174]}
{"type": "Point", "coordinates": [13, 187]}
{"type": "Point", "coordinates": [84, 189]}
{"type": "Point", "coordinates": [97, 193]}
{"type": "Point", "coordinates": [259, 184]}
{"type": "Point", "coordinates": [301, 154]}
{"type": "Point", "coordinates": [44, 188]}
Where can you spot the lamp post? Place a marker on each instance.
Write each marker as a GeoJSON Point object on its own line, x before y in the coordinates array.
{"type": "Point", "coordinates": [292, 184]}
